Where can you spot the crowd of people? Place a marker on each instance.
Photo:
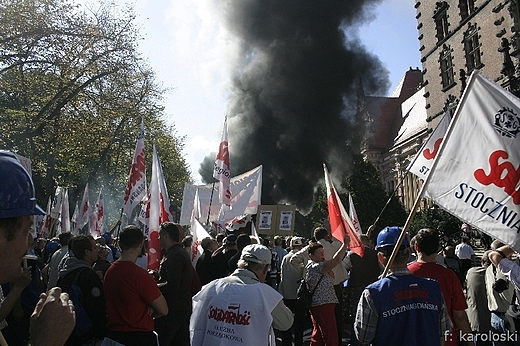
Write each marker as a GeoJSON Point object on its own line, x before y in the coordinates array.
{"type": "Point", "coordinates": [77, 290]}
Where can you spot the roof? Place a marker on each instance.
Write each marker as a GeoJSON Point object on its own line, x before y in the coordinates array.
{"type": "Point", "coordinates": [413, 113]}
{"type": "Point", "coordinates": [396, 118]}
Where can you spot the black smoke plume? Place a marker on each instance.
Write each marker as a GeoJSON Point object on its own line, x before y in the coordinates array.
{"type": "Point", "coordinates": [293, 103]}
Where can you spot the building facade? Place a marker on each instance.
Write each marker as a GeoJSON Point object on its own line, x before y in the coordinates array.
{"type": "Point", "coordinates": [459, 36]}
{"type": "Point", "coordinates": [396, 129]}
{"type": "Point", "coordinates": [456, 37]}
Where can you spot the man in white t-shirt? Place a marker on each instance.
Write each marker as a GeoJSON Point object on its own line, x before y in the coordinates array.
{"type": "Point", "coordinates": [465, 253]}
{"type": "Point", "coordinates": [240, 308]}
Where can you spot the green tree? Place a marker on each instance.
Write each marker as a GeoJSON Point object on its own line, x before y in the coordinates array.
{"type": "Point", "coordinates": [73, 91]}
{"type": "Point", "coordinates": [369, 197]}
{"type": "Point", "coordinates": [435, 218]}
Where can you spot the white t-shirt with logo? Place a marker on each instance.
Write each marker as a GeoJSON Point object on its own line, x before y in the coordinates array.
{"type": "Point", "coordinates": [226, 313]}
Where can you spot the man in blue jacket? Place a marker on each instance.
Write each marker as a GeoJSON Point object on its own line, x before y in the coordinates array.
{"type": "Point", "coordinates": [400, 309]}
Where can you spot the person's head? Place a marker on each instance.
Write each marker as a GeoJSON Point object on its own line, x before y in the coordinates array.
{"type": "Point", "coordinates": [64, 238]}
{"type": "Point", "coordinates": [254, 240]}
{"type": "Point", "coordinates": [386, 242]}
{"type": "Point", "coordinates": [320, 233]}
{"type": "Point", "coordinates": [100, 241]}
{"type": "Point", "coordinates": [170, 234]}
{"type": "Point", "coordinates": [131, 237]}
{"type": "Point", "coordinates": [220, 238]}
{"type": "Point", "coordinates": [242, 241]}
{"type": "Point", "coordinates": [84, 247]}
{"type": "Point", "coordinates": [187, 241]}
{"type": "Point", "coordinates": [256, 258]}
{"type": "Point", "coordinates": [102, 252]}
{"type": "Point", "coordinates": [485, 261]}
{"type": "Point", "coordinates": [316, 252]}
{"type": "Point", "coordinates": [427, 241]}
{"type": "Point", "coordinates": [288, 241]}
{"type": "Point", "coordinates": [209, 244]}
{"type": "Point", "coordinates": [296, 243]}
{"type": "Point", "coordinates": [230, 242]}
{"type": "Point", "coordinates": [17, 206]}
{"type": "Point", "coordinates": [464, 240]}
{"type": "Point", "coordinates": [449, 251]}
{"type": "Point", "coordinates": [278, 241]}
{"type": "Point", "coordinates": [108, 238]}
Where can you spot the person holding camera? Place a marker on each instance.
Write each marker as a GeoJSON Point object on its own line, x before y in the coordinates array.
{"type": "Point", "coordinates": [503, 285]}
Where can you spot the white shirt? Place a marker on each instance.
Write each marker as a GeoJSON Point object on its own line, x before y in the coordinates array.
{"type": "Point", "coordinates": [330, 249]}
{"type": "Point", "coordinates": [464, 251]}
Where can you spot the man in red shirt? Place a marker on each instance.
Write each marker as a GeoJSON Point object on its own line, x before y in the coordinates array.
{"type": "Point", "coordinates": [132, 296]}
{"type": "Point", "coordinates": [427, 246]}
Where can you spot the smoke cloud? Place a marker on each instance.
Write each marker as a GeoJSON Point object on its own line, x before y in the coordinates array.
{"type": "Point", "coordinates": [293, 102]}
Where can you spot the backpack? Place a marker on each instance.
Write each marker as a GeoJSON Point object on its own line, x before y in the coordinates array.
{"type": "Point", "coordinates": [455, 266]}
{"type": "Point", "coordinates": [83, 321]}
{"type": "Point", "coordinates": [304, 296]}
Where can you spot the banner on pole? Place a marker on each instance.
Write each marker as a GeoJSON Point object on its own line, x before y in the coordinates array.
{"type": "Point", "coordinates": [477, 171]}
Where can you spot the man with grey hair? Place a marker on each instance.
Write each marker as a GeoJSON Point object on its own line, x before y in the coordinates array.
{"type": "Point", "coordinates": [476, 296]}
{"type": "Point", "coordinates": [239, 307]}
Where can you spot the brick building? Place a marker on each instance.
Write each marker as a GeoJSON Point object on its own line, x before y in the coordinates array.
{"type": "Point", "coordinates": [456, 37]}
{"type": "Point", "coordinates": [396, 128]}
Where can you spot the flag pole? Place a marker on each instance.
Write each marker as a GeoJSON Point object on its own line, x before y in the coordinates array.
{"type": "Point", "coordinates": [391, 196]}
{"type": "Point", "coordinates": [210, 201]}
{"type": "Point", "coordinates": [404, 230]}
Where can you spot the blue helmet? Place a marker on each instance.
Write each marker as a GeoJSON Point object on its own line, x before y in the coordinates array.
{"type": "Point", "coordinates": [17, 197]}
{"type": "Point", "coordinates": [388, 237]}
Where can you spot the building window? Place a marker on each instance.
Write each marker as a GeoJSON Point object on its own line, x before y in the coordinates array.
{"type": "Point", "coordinates": [466, 7]}
{"type": "Point", "coordinates": [446, 61]}
{"type": "Point", "coordinates": [472, 48]}
{"type": "Point", "coordinates": [440, 16]}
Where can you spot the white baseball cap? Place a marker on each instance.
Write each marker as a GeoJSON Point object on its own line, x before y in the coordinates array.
{"type": "Point", "coordinates": [256, 253]}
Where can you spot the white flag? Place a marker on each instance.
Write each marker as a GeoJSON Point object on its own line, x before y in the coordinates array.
{"type": "Point", "coordinates": [198, 232]}
{"type": "Point", "coordinates": [254, 233]}
{"type": "Point", "coordinates": [84, 209]}
{"type": "Point", "coordinates": [158, 211]}
{"type": "Point", "coordinates": [56, 202]}
{"type": "Point", "coordinates": [74, 220]}
{"type": "Point", "coordinates": [476, 174]}
{"type": "Point", "coordinates": [221, 169]}
{"type": "Point", "coordinates": [97, 217]}
{"type": "Point", "coordinates": [46, 224]}
{"type": "Point", "coordinates": [246, 191]}
{"type": "Point", "coordinates": [353, 215]}
{"type": "Point", "coordinates": [422, 163]}
{"type": "Point", "coordinates": [136, 186]}
{"type": "Point", "coordinates": [65, 212]}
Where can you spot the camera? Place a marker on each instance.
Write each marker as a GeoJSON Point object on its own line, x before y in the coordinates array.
{"type": "Point", "coordinates": [500, 285]}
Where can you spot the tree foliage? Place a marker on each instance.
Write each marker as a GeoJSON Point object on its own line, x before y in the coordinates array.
{"type": "Point", "coordinates": [73, 91]}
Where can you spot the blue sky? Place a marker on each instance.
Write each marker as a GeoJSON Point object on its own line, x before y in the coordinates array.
{"type": "Point", "coordinates": [192, 56]}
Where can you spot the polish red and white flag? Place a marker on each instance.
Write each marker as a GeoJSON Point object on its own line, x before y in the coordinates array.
{"type": "Point", "coordinates": [340, 222]}
{"type": "Point", "coordinates": [158, 211]}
